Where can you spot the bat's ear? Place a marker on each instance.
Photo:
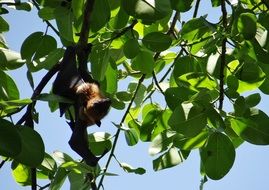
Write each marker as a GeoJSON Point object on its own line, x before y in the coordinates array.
{"type": "Point", "coordinates": [98, 123]}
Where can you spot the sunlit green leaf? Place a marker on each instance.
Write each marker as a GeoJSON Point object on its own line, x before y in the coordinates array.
{"type": "Point", "coordinates": [190, 143]}
{"type": "Point", "coordinates": [126, 167]}
{"type": "Point", "coordinates": [169, 159]}
{"type": "Point", "coordinates": [21, 173]}
{"type": "Point", "coordinates": [8, 88]}
{"type": "Point", "coordinates": [131, 137]}
{"type": "Point", "coordinates": [161, 142]}
{"type": "Point", "coordinates": [10, 59]}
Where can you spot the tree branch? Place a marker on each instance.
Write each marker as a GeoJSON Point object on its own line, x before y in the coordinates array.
{"type": "Point", "coordinates": [118, 131]}
{"type": "Point", "coordinates": [38, 90]}
{"type": "Point", "coordinates": [222, 56]}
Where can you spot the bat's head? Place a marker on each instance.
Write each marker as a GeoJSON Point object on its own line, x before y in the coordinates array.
{"type": "Point", "coordinates": [94, 105]}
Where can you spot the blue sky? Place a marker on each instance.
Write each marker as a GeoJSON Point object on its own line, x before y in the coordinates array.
{"type": "Point", "coordinates": [250, 170]}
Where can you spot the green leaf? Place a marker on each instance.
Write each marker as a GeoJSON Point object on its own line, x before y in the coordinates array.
{"type": "Point", "coordinates": [140, 94]}
{"type": "Point", "coordinates": [188, 119]}
{"type": "Point", "coordinates": [195, 29]}
{"type": "Point", "coordinates": [190, 143]}
{"type": "Point", "coordinates": [46, 13]}
{"type": "Point", "coordinates": [10, 60]}
{"type": "Point", "coordinates": [8, 88]}
{"type": "Point", "coordinates": [10, 140]}
{"type": "Point", "coordinates": [161, 142]}
{"type": "Point", "coordinates": [131, 48]}
{"type": "Point", "coordinates": [157, 41]}
{"type": "Point", "coordinates": [218, 156]}
{"type": "Point", "coordinates": [215, 3]}
{"type": "Point", "coordinates": [59, 179]}
{"type": "Point", "coordinates": [14, 103]}
{"type": "Point", "coordinates": [148, 124]}
{"type": "Point", "coordinates": [247, 25]}
{"type": "Point", "coordinates": [61, 157]}
{"type": "Point", "coordinates": [33, 150]}
{"type": "Point", "coordinates": [169, 159]}
{"type": "Point", "coordinates": [77, 181]}
{"type": "Point", "coordinates": [37, 45]}
{"type": "Point", "coordinates": [124, 96]}
{"type": "Point", "coordinates": [53, 58]}
{"type": "Point", "coordinates": [131, 136]}
{"type": "Point", "coordinates": [64, 21]}
{"type": "Point", "coordinates": [25, 6]}
{"type": "Point", "coordinates": [143, 62]}
{"type": "Point", "coordinates": [176, 95]}
{"type": "Point", "coordinates": [120, 20]}
{"type": "Point", "coordinates": [253, 129]}
{"type": "Point", "coordinates": [77, 8]}
{"type": "Point", "coordinates": [99, 142]}
{"type": "Point", "coordinates": [181, 5]}
{"type": "Point", "coordinates": [147, 10]}
{"type": "Point", "coordinates": [111, 78]}
{"type": "Point", "coordinates": [197, 81]}
{"type": "Point", "coordinates": [253, 99]}
{"type": "Point", "coordinates": [99, 58]}
{"type": "Point", "coordinates": [54, 98]}
{"type": "Point", "coordinates": [127, 168]}
{"type": "Point", "coordinates": [48, 168]}
{"type": "Point", "coordinates": [100, 15]}
{"type": "Point", "coordinates": [21, 173]}
{"type": "Point", "coordinates": [4, 27]}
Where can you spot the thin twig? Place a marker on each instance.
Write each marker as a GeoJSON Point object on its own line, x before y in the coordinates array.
{"type": "Point", "coordinates": [47, 22]}
{"type": "Point", "coordinates": [118, 131]}
{"type": "Point", "coordinates": [3, 162]}
{"type": "Point", "coordinates": [222, 56]}
{"type": "Point", "coordinates": [196, 9]}
{"type": "Point", "coordinates": [44, 187]}
{"type": "Point", "coordinates": [122, 32]}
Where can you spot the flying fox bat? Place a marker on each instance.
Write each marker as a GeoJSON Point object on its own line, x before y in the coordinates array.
{"type": "Point", "coordinates": [89, 103]}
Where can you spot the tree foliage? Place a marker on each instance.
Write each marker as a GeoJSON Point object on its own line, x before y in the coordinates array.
{"type": "Point", "coordinates": [196, 65]}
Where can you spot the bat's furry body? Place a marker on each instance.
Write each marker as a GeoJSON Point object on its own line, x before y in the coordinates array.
{"type": "Point", "coordinates": [89, 102]}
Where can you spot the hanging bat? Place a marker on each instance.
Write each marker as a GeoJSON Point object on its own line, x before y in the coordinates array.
{"type": "Point", "coordinates": [89, 103]}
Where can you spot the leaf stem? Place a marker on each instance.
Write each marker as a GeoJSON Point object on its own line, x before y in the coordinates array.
{"type": "Point", "coordinates": [118, 130]}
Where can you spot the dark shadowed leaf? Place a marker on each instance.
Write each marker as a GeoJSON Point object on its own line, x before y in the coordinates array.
{"type": "Point", "coordinates": [33, 150]}
{"type": "Point", "coordinates": [218, 156]}
{"type": "Point", "coordinates": [157, 41]}
{"type": "Point", "coordinates": [254, 129]}
{"type": "Point", "coordinates": [10, 140]}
